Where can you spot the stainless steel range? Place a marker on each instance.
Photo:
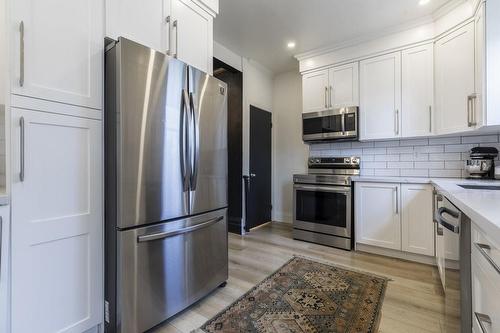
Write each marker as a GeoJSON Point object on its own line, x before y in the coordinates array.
{"type": "Point", "coordinates": [323, 210]}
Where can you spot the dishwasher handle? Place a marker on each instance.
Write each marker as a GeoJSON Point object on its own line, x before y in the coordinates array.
{"type": "Point", "coordinates": [445, 222]}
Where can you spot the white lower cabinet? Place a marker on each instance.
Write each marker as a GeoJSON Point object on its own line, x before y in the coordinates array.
{"type": "Point", "coordinates": [417, 226]}
{"type": "Point", "coordinates": [377, 217]}
{"type": "Point", "coordinates": [57, 223]}
{"type": "Point", "coordinates": [4, 267]}
{"type": "Point", "coordinates": [485, 270]}
{"type": "Point", "coordinates": [395, 216]}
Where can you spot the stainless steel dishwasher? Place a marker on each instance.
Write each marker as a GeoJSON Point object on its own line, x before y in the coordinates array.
{"type": "Point", "coordinates": [457, 264]}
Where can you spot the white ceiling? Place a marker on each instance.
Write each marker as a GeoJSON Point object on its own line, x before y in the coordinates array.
{"type": "Point", "coordinates": [260, 29]}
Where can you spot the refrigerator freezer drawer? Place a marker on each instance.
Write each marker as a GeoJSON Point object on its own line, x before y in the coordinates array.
{"type": "Point", "coordinates": [165, 268]}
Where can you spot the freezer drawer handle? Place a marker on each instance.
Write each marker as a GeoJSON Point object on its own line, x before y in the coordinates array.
{"type": "Point", "coordinates": [481, 319]}
{"type": "Point", "coordinates": [483, 248]}
{"type": "Point", "coordinates": [163, 235]}
{"type": "Point", "coordinates": [442, 220]}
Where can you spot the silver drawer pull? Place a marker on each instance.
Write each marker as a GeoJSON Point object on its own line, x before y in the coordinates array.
{"type": "Point", "coordinates": [481, 319]}
{"type": "Point", "coordinates": [163, 235]}
{"type": "Point", "coordinates": [482, 248]}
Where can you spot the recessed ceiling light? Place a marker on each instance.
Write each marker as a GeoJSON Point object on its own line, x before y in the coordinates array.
{"type": "Point", "coordinates": [291, 45]}
{"type": "Point", "coordinates": [423, 2]}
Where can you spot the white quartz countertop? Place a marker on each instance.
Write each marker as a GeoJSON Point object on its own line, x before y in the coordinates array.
{"type": "Point", "coordinates": [481, 206]}
{"type": "Point", "coordinates": [383, 179]}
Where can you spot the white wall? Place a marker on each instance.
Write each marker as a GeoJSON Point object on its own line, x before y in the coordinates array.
{"type": "Point", "coordinates": [290, 153]}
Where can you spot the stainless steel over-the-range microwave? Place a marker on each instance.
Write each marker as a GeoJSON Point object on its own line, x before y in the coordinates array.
{"type": "Point", "coordinates": [336, 124]}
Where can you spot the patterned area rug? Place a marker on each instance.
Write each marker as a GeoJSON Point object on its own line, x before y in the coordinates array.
{"type": "Point", "coordinates": [306, 296]}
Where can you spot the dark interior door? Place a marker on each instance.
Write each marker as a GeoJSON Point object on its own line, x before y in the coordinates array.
{"type": "Point", "coordinates": [259, 193]}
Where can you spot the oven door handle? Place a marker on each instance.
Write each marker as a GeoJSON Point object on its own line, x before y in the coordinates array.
{"type": "Point", "coordinates": [333, 189]}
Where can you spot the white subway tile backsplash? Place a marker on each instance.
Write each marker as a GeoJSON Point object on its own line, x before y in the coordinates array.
{"type": "Point", "coordinates": [480, 139]}
{"type": "Point", "coordinates": [386, 158]}
{"type": "Point", "coordinates": [399, 165]}
{"type": "Point", "coordinates": [375, 151]}
{"type": "Point", "coordinates": [445, 141]}
{"type": "Point", "coordinates": [445, 173]}
{"type": "Point", "coordinates": [369, 144]}
{"type": "Point", "coordinates": [458, 165]}
{"type": "Point", "coordinates": [458, 148]}
{"type": "Point", "coordinates": [400, 150]}
{"type": "Point", "coordinates": [387, 172]}
{"type": "Point", "coordinates": [384, 144]}
{"type": "Point", "coordinates": [414, 142]}
{"type": "Point", "coordinates": [422, 157]}
{"type": "Point", "coordinates": [414, 173]}
{"type": "Point", "coordinates": [445, 157]}
{"type": "Point", "coordinates": [430, 149]}
{"type": "Point", "coordinates": [429, 165]}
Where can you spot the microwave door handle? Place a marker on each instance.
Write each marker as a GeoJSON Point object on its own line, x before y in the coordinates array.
{"type": "Point", "coordinates": [343, 123]}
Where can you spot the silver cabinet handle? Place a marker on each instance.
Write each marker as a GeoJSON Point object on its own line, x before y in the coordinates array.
{"type": "Point", "coordinates": [447, 223]}
{"type": "Point", "coordinates": [21, 153]}
{"type": "Point", "coordinates": [169, 33]}
{"type": "Point", "coordinates": [481, 319]}
{"type": "Point", "coordinates": [331, 96]}
{"type": "Point", "coordinates": [469, 111]}
{"type": "Point", "coordinates": [253, 175]}
{"type": "Point", "coordinates": [482, 249]}
{"type": "Point", "coordinates": [21, 54]}
{"type": "Point", "coordinates": [473, 109]}
{"type": "Point", "coordinates": [176, 26]}
{"type": "Point", "coordinates": [430, 119]}
{"type": "Point", "coordinates": [326, 97]}
{"type": "Point", "coordinates": [163, 235]}
{"type": "Point", "coordinates": [396, 197]}
{"type": "Point", "coordinates": [396, 121]}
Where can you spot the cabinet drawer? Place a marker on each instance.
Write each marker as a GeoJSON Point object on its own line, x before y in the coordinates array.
{"type": "Point", "coordinates": [486, 253]}
{"type": "Point", "coordinates": [485, 299]}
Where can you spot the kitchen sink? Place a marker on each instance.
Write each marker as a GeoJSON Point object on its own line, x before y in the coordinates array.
{"type": "Point", "coordinates": [481, 187]}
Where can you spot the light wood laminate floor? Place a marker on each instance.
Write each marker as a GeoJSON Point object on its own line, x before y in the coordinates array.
{"type": "Point", "coordinates": [414, 300]}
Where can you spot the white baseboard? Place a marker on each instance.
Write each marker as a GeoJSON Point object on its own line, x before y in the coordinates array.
{"type": "Point", "coordinates": [282, 217]}
{"type": "Point", "coordinates": [396, 254]}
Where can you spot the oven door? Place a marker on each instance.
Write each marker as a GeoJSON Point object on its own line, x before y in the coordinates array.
{"type": "Point", "coordinates": [329, 125]}
{"type": "Point", "coordinates": [324, 209]}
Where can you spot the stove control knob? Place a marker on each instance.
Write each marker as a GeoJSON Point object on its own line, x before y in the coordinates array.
{"type": "Point", "coordinates": [347, 160]}
{"type": "Point", "coordinates": [354, 160]}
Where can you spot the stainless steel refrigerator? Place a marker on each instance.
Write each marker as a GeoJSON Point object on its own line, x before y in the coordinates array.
{"type": "Point", "coordinates": [166, 186]}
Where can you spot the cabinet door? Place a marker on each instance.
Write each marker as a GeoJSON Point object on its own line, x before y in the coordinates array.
{"type": "Point", "coordinates": [57, 49]}
{"type": "Point", "coordinates": [478, 111]}
{"type": "Point", "coordinates": [454, 74]}
{"type": "Point", "coordinates": [315, 91]}
{"type": "Point", "coordinates": [192, 34]}
{"type": "Point", "coordinates": [144, 22]}
{"type": "Point", "coordinates": [417, 224]}
{"type": "Point", "coordinates": [57, 236]}
{"type": "Point", "coordinates": [344, 85]}
{"type": "Point", "coordinates": [417, 96]}
{"type": "Point", "coordinates": [380, 97]}
{"type": "Point", "coordinates": [377, 215]}
{"type": "Point", "coordinates": [4, 268]}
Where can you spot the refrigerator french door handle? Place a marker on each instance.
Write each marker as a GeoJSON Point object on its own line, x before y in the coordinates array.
{"type": "Point", "coordinates": [196, 144]}
{"type": "Point", "coordinates": [184, 139]}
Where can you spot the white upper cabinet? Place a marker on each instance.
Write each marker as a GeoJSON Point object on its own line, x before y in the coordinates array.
{"type": "Point", "coordinates": [344, 85]}
{"type": "Point", "coordinates": [331, 88]}
{"type": "Point", "coordinates": [380, 97]}
{"type": "Point", "coordinates": [478, 108]}
{"type": "Point", "coordinates": [145, 22]}
{"type": "Point", "coordinates": [417, 95]}
{"type": "Point", "coordinates": [192, 34]}
{"type": "Point", "coordinates": [417, 225]}
{"type": "Point", "coordinates": [57, 229]}
{"type": "Point", "coordinates": [180, 28]}
{"type": "Point", "coordinates": [454, 75]}
{"type": "Point", "coordinates": [315, 91]}
{"type": "Point", "coordinates": [378, 214]}
{"type": "Point", "coordinates": [57, 50]}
